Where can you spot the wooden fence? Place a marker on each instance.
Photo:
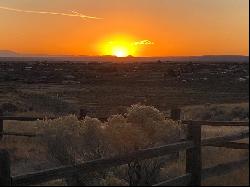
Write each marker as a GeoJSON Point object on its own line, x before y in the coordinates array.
{"type": "Point", "coordinates": [175, 114]}
{"type": "Point", "coordinates": [192, 145]}
{"type": "Point", "coordinates": [82, 114]}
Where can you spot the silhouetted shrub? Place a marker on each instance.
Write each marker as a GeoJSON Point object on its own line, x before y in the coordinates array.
{"type": "Point", "coordinates": [71, 141]}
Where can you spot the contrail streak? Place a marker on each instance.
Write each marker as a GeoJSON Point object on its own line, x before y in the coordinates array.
{"type": "Point", "coordinates": [73, 14]}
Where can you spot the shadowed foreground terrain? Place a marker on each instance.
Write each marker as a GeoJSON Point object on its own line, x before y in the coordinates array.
{"type": "Point", "coordinates": [204, 91]}
{"type": "Point", "coordinates": [35, 154]}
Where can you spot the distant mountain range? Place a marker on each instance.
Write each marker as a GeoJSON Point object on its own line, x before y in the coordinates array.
{"type": "Point", "coordinates": [6, 55]}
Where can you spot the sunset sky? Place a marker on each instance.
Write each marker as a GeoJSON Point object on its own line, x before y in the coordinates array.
{"type": "Point", "coordinates": [125, 27]}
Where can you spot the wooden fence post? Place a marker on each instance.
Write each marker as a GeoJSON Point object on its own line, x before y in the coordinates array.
{"type": "Point", "coordinates": [5, 177]}
{"type": "Point", "coordinates": [193, 155]}
{"type": "Point", "coordinates": [82, 114]}
{"type": "Point", "coordinates": [176, 114]}
{"type": "Point", "coordinates": [1, 125]}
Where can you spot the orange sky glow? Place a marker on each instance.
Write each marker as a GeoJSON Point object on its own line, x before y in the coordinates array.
{"type": "Point", "coordinates": [122, 28]}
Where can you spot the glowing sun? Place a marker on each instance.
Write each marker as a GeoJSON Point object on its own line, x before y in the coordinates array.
{"type": "Point", "coordinates": [120, 51]}
{"type": "Point", "coordinates": [119, 47]}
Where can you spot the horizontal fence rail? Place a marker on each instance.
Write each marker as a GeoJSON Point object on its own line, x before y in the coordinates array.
{"type": "Point", "coordinates": [224, 141]}
{"type": "Point", "coordinates": [192, 146]}
{"type": "Point", "coordinates": [14, 118]}
{"type": "Point", "coordinates": [183, 180]}
{"type": "Point", "coordinates": [223, 169]}
{"type": "Point", "coordinates": [26, 119]}
{"type": "Point", "coordinates": [28, 135]}
{"type": "Point", "coordinates": [70, 171]}
{"type": "Point", "coordinates": [215, 171]}
{"type": "Point", "coordinates": [231, 137]}
{"type": "Point", "coordinates": [217, 123]}
{"type": "Point", "coordinates": [230, 145]}
{"type": "Point", "coordinates": [32, 135]}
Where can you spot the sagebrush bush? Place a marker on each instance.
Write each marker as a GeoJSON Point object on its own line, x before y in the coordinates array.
{"type": "Point", "coordinates": [61, 136]}
{"type": "Point", "coordinates": [71, 141]}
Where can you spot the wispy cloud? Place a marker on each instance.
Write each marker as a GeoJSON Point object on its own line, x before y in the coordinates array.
{"type": "Point", "coordinates": [144, 42]}
{"type": "Point", "coordinates": [72, 14]}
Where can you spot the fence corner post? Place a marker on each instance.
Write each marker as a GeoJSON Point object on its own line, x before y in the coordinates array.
{"type": "Point", "coordinates": [193, 155]}
{"type": "Point", "coordinates": [176, 114]}
{"type": "Point", "coordinates": [1, 125]}
{"type": "Point", "coordinates": [5, 177]}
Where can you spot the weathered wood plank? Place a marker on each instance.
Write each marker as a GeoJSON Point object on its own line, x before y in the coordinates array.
{"type": "Point", "coordinates": [15, 118]}
{"type": "Point", "coordinates": [29, 135]}
{"type": "Point", "coordinates": [176, 114]}
{"type": "Point", "coordinates": [223, 169]}
{"type": "Point", "coordinates": [1, 125]}
{"type": "Point", "coordinates": [231, 137]}
{"type": "Point", "coordinates": [230, 145]}
{"type": "Point", "coordinates": [5, 178]}
{"type": "Point", "coordinates": [69, 171]}
{"type": "Point", "coordinates": [217, 123]}
{"type": "Point", "coordinates": [193, 155]}
{"type": "Point", "coordinates": [178, 181]}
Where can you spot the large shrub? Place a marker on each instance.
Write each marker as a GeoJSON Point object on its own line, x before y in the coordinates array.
{"type": "Point", "coordinates": [71, 141]}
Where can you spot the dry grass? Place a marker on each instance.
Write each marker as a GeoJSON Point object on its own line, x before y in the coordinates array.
{"type": "Point", "coordinates": [29, 155]}
{"type": "Point", "coordinates": [236, 178]}
{"type": "Point", "coordinates": [213, 156]}
{"type": "Point", "coordinates": [217, 112]}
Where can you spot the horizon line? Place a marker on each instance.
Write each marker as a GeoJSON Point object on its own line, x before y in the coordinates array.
{"type": "Point", "coordinates": [112, 56]}
{"type": "Point", "coordinates": [20, 54]}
